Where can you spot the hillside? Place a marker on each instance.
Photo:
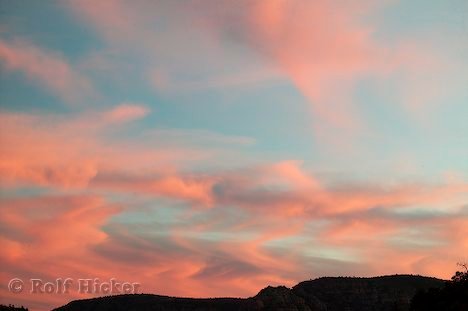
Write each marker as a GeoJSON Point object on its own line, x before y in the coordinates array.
{"type": "Point", "coordinates": [386, 293]}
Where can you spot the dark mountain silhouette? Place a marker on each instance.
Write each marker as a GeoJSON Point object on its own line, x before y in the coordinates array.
{"type": "Point", "coordinates": [385, 293]}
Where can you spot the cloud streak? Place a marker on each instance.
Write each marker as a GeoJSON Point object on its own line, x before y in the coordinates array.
{"type": "Point", "coordinates": [126, 112]}
{"type": "Point", "coordinates": [47, 69]}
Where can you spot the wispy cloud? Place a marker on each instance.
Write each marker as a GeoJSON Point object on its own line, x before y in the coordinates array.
{"type": "Point", "coordinates": [47, 69]}
{"type": "Point", "coordinates": [126, 112]}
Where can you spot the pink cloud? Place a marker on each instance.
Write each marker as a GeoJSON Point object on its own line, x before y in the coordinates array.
{"type": "Point", "coordinates": [37, 150]}
{"type": "Point", "coordinates": [321, 46]}
{"type": "Point", "coordinates": [327, 48]}
{"type": "Point", "coordinates": [45, 150]}
{"type": "Point", "coordinates": [47, 69]}
{"type": "Point", "coordinates": [167, 184]}
{"type": "Point", "coordinates": [123, 26]}
{"type": "Point", "coordinates": [58, 241]}
{"type": "Point", "coordinates": [127, 112]}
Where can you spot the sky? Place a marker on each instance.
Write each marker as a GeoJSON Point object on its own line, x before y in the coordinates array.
{"type": "Point", "coordinates": [208, 148]}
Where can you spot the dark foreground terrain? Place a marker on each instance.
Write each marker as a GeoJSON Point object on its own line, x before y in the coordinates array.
{"type": "Point", "coordinates": [386, 293]}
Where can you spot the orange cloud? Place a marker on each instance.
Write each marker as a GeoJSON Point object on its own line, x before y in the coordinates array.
{"type": "Point", "coordinates": [240, 242]}
{"type": "Point", "coordinates": [50, 236]}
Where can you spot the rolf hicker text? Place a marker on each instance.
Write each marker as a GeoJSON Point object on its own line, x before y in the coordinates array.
{"type": "Point", "coordinates": [82, 286]}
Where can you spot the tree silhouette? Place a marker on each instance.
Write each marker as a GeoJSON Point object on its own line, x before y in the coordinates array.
{"type": "Point", "coordinates": [452, 297]}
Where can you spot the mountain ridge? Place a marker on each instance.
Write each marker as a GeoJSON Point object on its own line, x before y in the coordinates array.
{"type": "Point", "coordinates": [381, 293]}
